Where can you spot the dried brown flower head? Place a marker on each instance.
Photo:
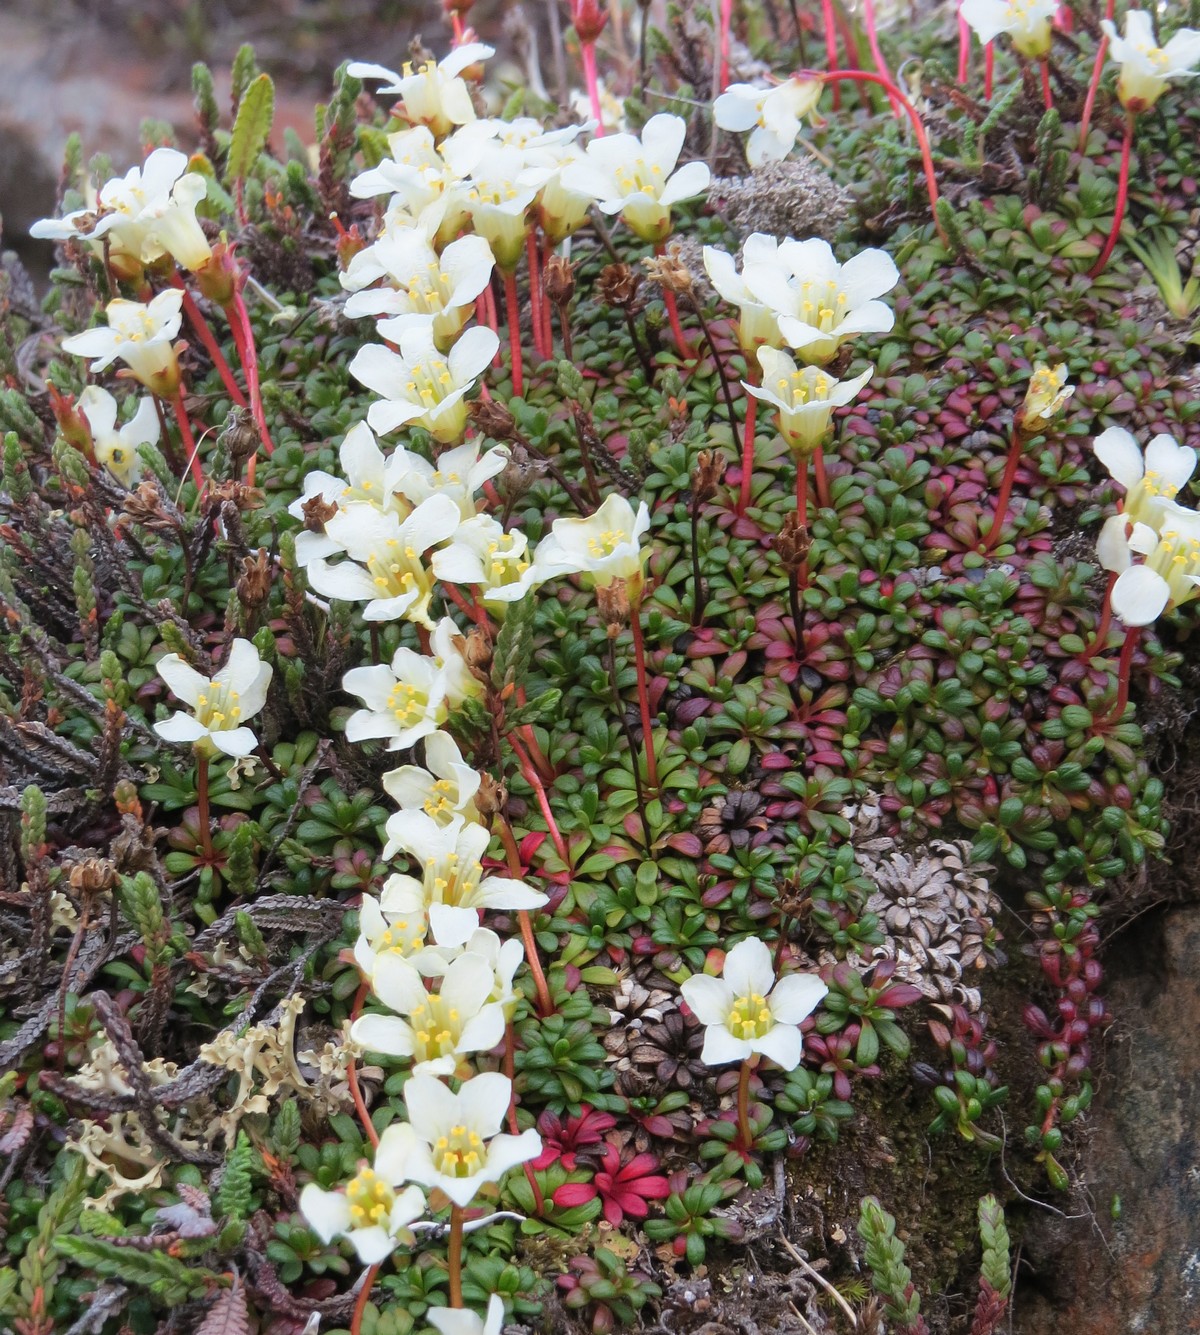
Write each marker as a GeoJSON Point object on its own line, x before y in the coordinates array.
{"type": "Point", "coordinates": [494, 419]}
{"type": "Point", "coordinates": [793, 542]}
{"type": "Point", "coordinates": [559, 280]}
{"type": "Point", "coordinates": [613, 605]}
{"type": "Point", "coordinates": [670, 272]}
{"type": "Point", "coordinates": [707, 475]}
{"type": "Point", "coordinates": [240, 436]}
{"type": "Point", "coordinates": [618, 285]}
{"type": "Point", "coordinates": [317, 512]}
{"type": "Point", "coordinates": [254, 583]}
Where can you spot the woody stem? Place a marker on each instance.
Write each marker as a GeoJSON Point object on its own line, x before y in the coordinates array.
{"type": "Point", "coordinates": [364, 1297]}
{"type": "Point", "coordinates": [1122, 195]}
{"type": "Point", "coordinates": [643, 685]}
{"type": "Point", "coordinates": [454, 1255]}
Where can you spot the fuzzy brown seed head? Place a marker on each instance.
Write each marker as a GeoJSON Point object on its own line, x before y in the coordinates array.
{"type": "Point", "coordinates": [707, 475]}
{"type": "Point", "coordinates": [618, 285]}
{"type": "Point", "coordinates": [491, 796]}
{"type": "Point", "coordinates": [254, 584]}
{"type": "Point", "coordinates": [670, 272]}
{"type": "Point", "coordinates": [240, 436]}
{"type": "Point", "coordinates": [145, 506]}
{"type": "Point", "coordinates": [613, 604]}
{"type": "Point", "coordinates": [92, 876]}
{"type": "Point", "coordinates": [317, 511]}
{"type": "Point", "coordinates": [560, 280]}
{"type": "Point", "coordinates": [476, 648]}
{"type": "Point", "coordinates": [793, 543]}
{"type": "Point", "coordinates": [494, 419]}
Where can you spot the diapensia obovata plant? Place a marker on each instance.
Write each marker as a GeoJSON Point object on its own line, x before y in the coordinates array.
{"type": "Point", "coordinates": [604, 724]}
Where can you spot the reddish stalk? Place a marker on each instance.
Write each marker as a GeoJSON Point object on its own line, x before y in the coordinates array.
{"type": "Point", "coordinates": [802, 489]}
{"type": "Point", "coordinates": [513, 311]}
{"type": "Point", "coordinates": [726, 26]}
{"type": "Point", "coordinates": [1132, 635]}
{"type": "Point", "coordinates": [866, 76]}
{"type": "Point", "coordinates": [745, 1133]}
{"type": "Point", "coordinates": [360, 1104]}
{"type": "Point", "coordinates": [535, 296]}
{"type": "Point", "coordinates": [989, 70]}
{"type": "Point", "coordinates": [1100, 638]}
{"type": "Point", "coordinates": [821, 480]}
{"type": "Point", "coordinates": [243, 336]}
{"type": "Point", "coordinates": [512, 855]}
{"type": "Point", "coordinates": [748, 446]}
{"type": "Point", "coordinates": [643, 685]}
{"type": "Point", "coordinates": [1047, 95]}
{"type": "Point", "coordinates": [876, 53]}
{"type": "Point", "coordinates": [1015, 450]}
{"type": "Point", "coordinates": [454, 1255]}
{"type": "Point", "coordinates": [964, 48]}
{"type": "Point", "coordinates": [831, 47]}
{"type": "Point", "coordinates": [1122, 196]}
{"type": "Point", "coordinates": [364, 1297]}
{"type": "Point", "coordinates": [531, 777]}
{"type": "Point", "coordinates": [588, 52]}
{"type": "Point", "coordinates": [1085, 121]}
{"type": "Point", "coordinates": [473, 610]}
{"type": "Point", "coordinates": [202, 807]}
{"type": "Point", "coordinates": [681, 343]}
{"type": "Point", "coordinates": [547, 325]}
{"type": "Point", "coordinates": [191, 449]}
{"type": "Point", "coordinates": [206, 336]}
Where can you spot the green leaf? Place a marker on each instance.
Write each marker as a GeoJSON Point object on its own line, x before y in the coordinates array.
{"type": "Point", "coordinates": [250, 130]}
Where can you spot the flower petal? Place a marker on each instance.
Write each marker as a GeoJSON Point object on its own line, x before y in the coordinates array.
{"type": "Point", "coordinates": [748, 968]}
{"type": "Point", "coordinates": [1140, 596]}
{"type": "Point", "coordinates": [795, 996]}
{"type": "Point", "coordinates": [783, 1044]}
{"type": "Point", "coordinates": [386, 1034]}
{"type": "Point", "coordinates": [708, 998]}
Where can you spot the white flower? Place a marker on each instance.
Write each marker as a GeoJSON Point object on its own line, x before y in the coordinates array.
{"type": "Point", "coordinates": [422, 186]}
{"type": "Point", "coordinates": [385, 569]}
{"type": "Point", "coordinates": [757, 323]}
{"type": "Point", "coordinates": [369, 1212]}
{"type": "Point", "coordinates": [434, 95]}
{"type": "Point", "coordinates": [605, 546]}
{"type": "Point", "coordinates": [772, 115]}
{"type": "Point", "coordinates": [819, 302]}
{"type": "Point", "coordinates": [172, 226]}
{"type": "Point", "coordinates": [1170, 574]}
{"type": "Point", "coordinates": [1027, 22]}
{"type": "Point", "coordinates": [447, 643]}
{"type": "Point", "coordinates": [380, 933]}
{"type": "Point", "coordinates": [1046, 395]}
{"type": "Point", "coordinates": [637, 178]}
{"type": "Point", "coordinates": [458, 474]}
{"type": "Point", "coordinates": [404, 701]}
{"type": "Point", "coordinates": [497, 203]}
{"type": "Point", "coordinates": [455, 1142]}
{"type": "Point", "coordinates": [612, 108]}
{"type": "Point", "coordinates": [1112, 546]}
{"type": "Point", "coordinates": [419, 385]}
{"type": "Point", "coordinates": [236, 692]}
{"type": "Point", "coordinates": [804, 396]}
{"type": "Point", "coordinates": [747, 1010]}
{"type": "Point", "coordinates": [1145, 66]}
{"type": "Point", "coordinates": [462, 1321]}
{"type": "Point", "coordinates": [454, 886]}
{"type": "Point", "coordinates": [1148, 481]}
{"type": "Point", "coordinates": [117, 448]}
{"type": "Point", "coordinates": [433, 1029]}
{"type": "Point", "coordinates": [503, 958]}
{"type": "Point", "coordinates": [482, 554]}
{"type": "Point", "coordinates": [421, 285]}
{"type": "Point", "coordinates": [443, 791]}
{"type": "Point", "coordinates": [141, 336]}
{"type": "Point", "coordinates": [370, 479]}
{"type": "Point", "coordinates": [560, 210]}
{"type": "Point", "coordinates": [412, 151]}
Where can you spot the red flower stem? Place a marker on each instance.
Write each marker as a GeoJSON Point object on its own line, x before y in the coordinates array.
{"type": "Point", "coordinates": [360, 1105]}
{"type": "Point", "coordinates": [866, 76]}
{"type": "Point", "coordinates": [547, 325]}
{"type": "Point", "coordinates": [643, 685]}
{"type": "Point", "coordinates": [456, 24]}
{"type": "Point", "coordinates": [535, 752]}
{"type": "Point", "coordinates": [1015, 450]}
{"type": "Point", "coordinates": [535, 296]}
{"type": "Point", "coordinates": [588, 52]}
{"type": "Point", "coordinates": [531, 777]}
{"type": "Point", "coordinates": [191, 449]}
{"type": "Point", "coordinates": [681, 343]}
{"type": "Point", "coordinates": [989, 70]}
{"type": "Point", "coordinates": [821, 480]}
{"type": "Point", "coordinates": [513, 312]}
{"type": "Point", "coordinates": [1122, 196]}
{"type": "Point", "coordinates": [748, 447]}
{"type": "Point", "coordinates": [1100, 639]}
{"type": "Point", "coordinates": [513, 856]}
{"type": "Point", "coordinates": [206, 336]}
{"type": "Point", "coordinates": [745, 1134]}
{"type": "Point", "coordinates": [454, 1255]}
{"type": "Point", "coordinates": [726, 26]}
{"type": "Point", "coordinates": [964, 48]}
{"type": "Point", "coordinates": [802, 514]}
{"type": "Point", "coordinates": [1132, 635]}
{"type": "Point", "coordinates": [239, 319]}
{"type": "Point", "coordinates": [831, 47]}
{"type": "Point", "coordinates": [1085, 121]}
{"type": "Point", "coordinates": [1047, 95]}
{"type": "Point", "coordinates": [473, 610]}
{"type": "Point", "coordinates": [364, 1297]}
{"type": "Point", "coordinates": [202, 807]}
{"type": "Point", "coordinates": [876, 53]}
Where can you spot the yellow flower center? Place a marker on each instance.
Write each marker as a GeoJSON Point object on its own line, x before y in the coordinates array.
{"type": "Point", "coordinates": [370, 1200]}
{"type": "Point", "coordinates": [217, 708]}
{"type": "Point", "coordinates": [402, 938]}
{"type": "Point", "coordinates": [750, 1017]}
{"type": "Point", "coordinates": [640, 177]}
{"type": "Point", "coordinates": [604, 544]}
{"type": "Point", "coordinates": [408, 704]}
{"type": "Point", "coordinates": [442, 802]}
{"type": "Point", "coordinates": [448, 881]}
{"type": "Point", "coordinates": [437, 1028]}
{"type": "Point", "coordinates": [822, 305]}
{"type": "Point", "coordinates": [460, 1154]}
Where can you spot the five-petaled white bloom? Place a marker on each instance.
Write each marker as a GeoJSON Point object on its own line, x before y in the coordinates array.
{"type": "Point", "coordinates": [419, 385]}
{"type": "Point", "coordinates": [444, 790]}
{"type": "Point", "coordinates": [772, 115]}
{"type": "Point", "coordinates": [1146, 67]}
{"type": "Point", "coordinates": [804, 396]}
{"type": "Point", "coordinates": [637, 178]}
{"type": "Point", "coordinates": [757, 322]}
{"type": "Point", "coordinates": [456, 1140]}
{"type": "Point", "coordinates": [421, 287]}
{"type": "Point", "coordinates": [453, 885]}
{"type": "Point", "coordinates": [747, 1010]}
{"type": "Point", "coordinates": [173, 228]}
{"type": "Point", "coordinates": [1170, 573]}
{"type": "Point", "coordinates": [1148, 481]}
{"type": "Point", "coordinates": [385, 570]}
{"type": "Point", "coordinates": [404, 701]}
{"type": "Point", "coordinates": [498, 202]}
{"type": "Point", "coordinates": [434, 1029]}
{"type": "Point", "coordinates": [819, 302]}
{"type": "Point", "coordinates": [604, 547]}
{"type": "Point", "coordinates": [434, 95]}
{"type": "Point", "coordinates": [482, 554]}
{"type": "Point", "coordinates": [1045, 396]}
{"type": "Point", "coordinates": [1027, 22]}
{"type": "Point", "coordinates": [458, 473]}
{"type": "Point", "coordinates": [116, 448]}
{"type": "Point", "coordinates": [369, 1212]}
{"type": "Point", "coordinates": [139, 335]}
{"type": "Point", "coordinates": [462, 1321]}
{"type": "Point", "coordinates": [221, 705]}
{"type": "Point", "coordinates": [380, 934]}
{"type": "Point", "coordinates": [447, 643]}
